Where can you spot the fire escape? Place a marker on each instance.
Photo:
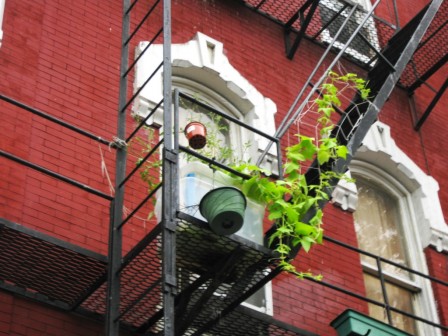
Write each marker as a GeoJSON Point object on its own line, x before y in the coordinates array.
{"type": "Point", "coordinates": [168, 283]}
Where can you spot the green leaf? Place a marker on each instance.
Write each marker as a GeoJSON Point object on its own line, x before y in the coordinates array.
{"type": "Point", "coordinates": [306, 245]}
{"type": "Point", "coordinates": [284, 230]}
{"type": "Point", "coordinates": [327, 111]}
{"type": "Point", "coordinates": [320, 236]}
{"type": "Point", "coordinates": [323, 156]}
{"type": "Point", "coordinates": [290, 167]}
{"type": "Point", "coordinates": [283, 249]}
{"type": "Point", "coordinates": [342, 151]}
{"type": "Point", "coordinates": [292, 215]}
{"type": "Point", "coordinates": [273, 215]}
{"type": "Point", "coordinates": [303, 229]}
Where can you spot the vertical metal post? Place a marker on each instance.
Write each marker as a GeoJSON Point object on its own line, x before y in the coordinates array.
{"type": "Point", "coordinates": [384, 292]}
{"type": "Point", "coordinates": [397, 20]}
{"type": "Point", "coordinates": [169, 170]}
{"type": "Point", "coordinates": [115, 233]}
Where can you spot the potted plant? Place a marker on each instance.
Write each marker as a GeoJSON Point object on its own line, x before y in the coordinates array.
{"type": "Point", "coordinates": [196, 134]}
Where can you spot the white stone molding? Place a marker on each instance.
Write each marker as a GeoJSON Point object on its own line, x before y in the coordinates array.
{"type": "Point", "coordinates": [380, 150]}
{"type": "Point", "coordinates": [202, 60]}
{"type": "Point", "coordinates": [2, 11]}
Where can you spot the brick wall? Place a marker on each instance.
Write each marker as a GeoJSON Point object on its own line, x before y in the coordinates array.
{"type": "Point", "coordinates": [438, 267]}
{"type": "Point", "coordinates": [63, 58]}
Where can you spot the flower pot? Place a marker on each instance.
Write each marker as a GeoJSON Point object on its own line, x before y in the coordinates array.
{"type": "Point", "coordinates": [224, 209]}
{"type": "Point", "coordinates": [196, 134]}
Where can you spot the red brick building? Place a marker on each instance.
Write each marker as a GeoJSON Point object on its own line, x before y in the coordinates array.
{"type": "Point", "coordinates": [88, 248]}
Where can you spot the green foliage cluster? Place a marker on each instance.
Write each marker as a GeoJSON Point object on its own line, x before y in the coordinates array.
{"type": "Point", "coordinates": [289, 200]}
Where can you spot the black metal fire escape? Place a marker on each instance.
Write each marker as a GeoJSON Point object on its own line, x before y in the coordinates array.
{"type": "Point", "coordinates": [183, 279]}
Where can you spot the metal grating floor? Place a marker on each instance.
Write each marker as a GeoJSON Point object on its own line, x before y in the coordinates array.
{"type": "Point", "coordinates": [45, 268]}
{"type": "Point", "coordinates": [213, 274]}
{"type": "Point", "coordinates": [432, 51]}
{"type": "Point", "coordinates": [376, 31]}
{"type": "Point", "coordinates": [431, 54]}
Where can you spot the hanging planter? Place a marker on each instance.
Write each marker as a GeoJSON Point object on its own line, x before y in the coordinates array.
{"type": "Point", "coordinates": [196, 134]}
{"type": "Point", "coordinates": [224, 209]}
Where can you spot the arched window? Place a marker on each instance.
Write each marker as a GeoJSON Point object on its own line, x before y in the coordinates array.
{"type": "Point", "coordinates": [397, 215]}
{"type": "Point", "coordinates": [379, 219]}
{"type": "Point", "coordinates": [200, 67]}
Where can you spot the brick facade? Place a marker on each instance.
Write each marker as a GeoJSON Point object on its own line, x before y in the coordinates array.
{"type": "Point", "coordinates": [63, 58]}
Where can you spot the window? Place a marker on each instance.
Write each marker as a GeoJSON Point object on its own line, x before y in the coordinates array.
{"type": "Point", "coordinates": [405, 200]}
{"type": "Point", "coordinates": [202, 65]}
{"type": "Point", "coordinates": [201, 70]}
{"type": "Point", "coordinates": [378, 222]}
{"type": "Point", "coordinates": [358, 48]}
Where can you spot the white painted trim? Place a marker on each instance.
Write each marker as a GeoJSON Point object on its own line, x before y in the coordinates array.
{"type": "Point", "coordinates": [202, 60]}
{"type": "Point", "coordinates": [345, 195]}
{"type": "Point", "coordinates": [2, 12]}
{"type": "Point", "coordinates": [380, 150]}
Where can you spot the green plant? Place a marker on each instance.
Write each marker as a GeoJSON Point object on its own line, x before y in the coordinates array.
{"type": "Point", "coordinates": [290, 199]}
{"type": "Point", "coordinates": [143, 148]}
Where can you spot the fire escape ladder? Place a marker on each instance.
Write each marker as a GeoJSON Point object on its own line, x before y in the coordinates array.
{"type": "Point", "coordinates": [360, 115]}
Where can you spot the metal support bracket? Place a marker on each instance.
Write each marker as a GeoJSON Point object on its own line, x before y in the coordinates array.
{"type": "Point", "coordinates": [170, 156]}
{"type": "Point", "coordinates": [305, 20]}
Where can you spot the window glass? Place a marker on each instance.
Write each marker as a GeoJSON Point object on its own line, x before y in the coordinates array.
{"type": "Point", "coordinates": [219, 144]}
{"type": "Point", "coordinates": [377, 224]}
{"type": "Point", "coordinates": [397, 297]}
{"type": "Point", "coordinates": [224, 138]}
{"type": "Point", "coordinates": [378, 229]}
{"type": "Point", "coordinates": [2, 9]}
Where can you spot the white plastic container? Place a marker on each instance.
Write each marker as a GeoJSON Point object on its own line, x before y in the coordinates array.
{"type": "Point", "coordinates": [196, 179]}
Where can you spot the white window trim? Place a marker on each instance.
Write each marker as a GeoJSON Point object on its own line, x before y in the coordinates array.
{"type": "Point", "coordinates": [370, 25]}
{"type": "Point", "coordinates": [402, 282]}
{"type": "Point", "coordinates": [202, 59]}
{"type": "Point", "coordinates": [2, 11]}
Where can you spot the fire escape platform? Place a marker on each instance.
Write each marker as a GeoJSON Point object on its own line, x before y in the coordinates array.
{"type": "Point", "coordinates": [47, 269]}
{"type": "Point", "coordinates": [215, 274]}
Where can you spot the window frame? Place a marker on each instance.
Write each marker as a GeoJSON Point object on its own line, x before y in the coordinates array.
{"type": "Point", "coordinates": [423, 297]}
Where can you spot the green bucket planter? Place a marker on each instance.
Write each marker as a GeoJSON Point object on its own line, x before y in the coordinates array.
{"type": "Point", "coordinates": [224, 209]}
{"type": "Point", "coordinates": [352, 323]}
